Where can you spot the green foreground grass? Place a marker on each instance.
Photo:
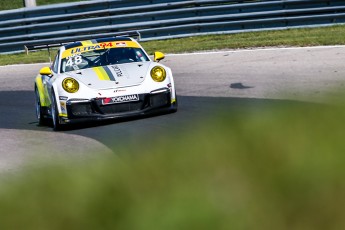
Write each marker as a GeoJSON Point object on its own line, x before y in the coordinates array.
{"type": "Point", "coordinates": [278, 168]}
{"type": "Point", "coordinates": [334, 35]}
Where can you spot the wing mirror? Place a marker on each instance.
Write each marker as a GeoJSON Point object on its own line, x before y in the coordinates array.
{"type": "Point", "coordinates": [158, 56]}
{"type": "Point", "coordinates": [46, 71]}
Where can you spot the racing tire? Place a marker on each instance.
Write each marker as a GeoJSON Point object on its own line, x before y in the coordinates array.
{"type": "Point", "coordinates": [39, 110]}
{"type": "Point", "coordinates": [55, 113]}
{"type": "Point", "coordinates": [175, 105]}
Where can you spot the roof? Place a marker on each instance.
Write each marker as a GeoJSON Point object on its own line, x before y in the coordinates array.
{"type": "Point", "coordinates": [95, 41]}
{"type": "Point", "coordinates": [123, 36]}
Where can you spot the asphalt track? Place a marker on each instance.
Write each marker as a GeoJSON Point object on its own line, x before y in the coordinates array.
{"type": "Point", "coordinates": [237, 80]}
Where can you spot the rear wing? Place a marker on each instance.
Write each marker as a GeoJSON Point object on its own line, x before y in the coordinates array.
{"type": "Point", "coordinates": [60, 42]}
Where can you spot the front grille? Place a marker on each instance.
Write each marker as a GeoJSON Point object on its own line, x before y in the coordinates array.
{"type": "Point", "coordinates": [121, 108]}
{"type": "Point", "coordinates": [81, 109]}
{"type": "Point", "coordinates": [96, 108]}
{"type": "Point", "coordinates": [158, 100]}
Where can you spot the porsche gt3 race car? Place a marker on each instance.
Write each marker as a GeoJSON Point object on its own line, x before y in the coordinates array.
{"type": "Point", "coordinates": [103, 79]}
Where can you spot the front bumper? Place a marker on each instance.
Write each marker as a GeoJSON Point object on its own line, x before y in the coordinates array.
{"type": "Point", "coordinates": [93, 109]}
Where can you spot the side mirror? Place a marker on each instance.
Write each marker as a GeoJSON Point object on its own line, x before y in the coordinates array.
{"type": "Point", "coordinates": [46, 71]}
{"type": "Point", "coordinates": [158, 56]}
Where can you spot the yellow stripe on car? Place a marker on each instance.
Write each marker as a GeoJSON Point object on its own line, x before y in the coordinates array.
{"type": "Point", "coordinates": [101, 74]}
{"type": "Point", "coordinates": [40, 89]}
{"type": "Point", "coordinates": [87, 43]}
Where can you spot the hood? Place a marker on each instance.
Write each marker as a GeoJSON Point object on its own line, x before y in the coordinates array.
{"type": "Point", "coordinates": [112, 76]}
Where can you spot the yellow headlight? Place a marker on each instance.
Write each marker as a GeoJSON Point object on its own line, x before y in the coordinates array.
{"type": "Point", "coordinates": [158, 74]}
{"type": "Point", "coordinates": [70, 85]}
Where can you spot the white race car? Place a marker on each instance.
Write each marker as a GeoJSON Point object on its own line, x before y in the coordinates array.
{"type": "Point", "coordinates": [103, 79]}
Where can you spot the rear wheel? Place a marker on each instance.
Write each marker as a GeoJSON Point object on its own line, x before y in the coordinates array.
{"type": "Point", "coordinates": [39, 110]}
{"type": "Point", "coordinates": [55, 113]}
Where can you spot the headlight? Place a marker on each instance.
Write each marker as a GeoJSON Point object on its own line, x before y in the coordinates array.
{"type": "Point", "coordinates": [158, 74]}
{"type": "Point", "coordinates": [70, 85]}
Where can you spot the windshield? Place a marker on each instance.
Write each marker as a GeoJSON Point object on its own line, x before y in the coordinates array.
{"type": "Point", "coordinates": [102, 57]}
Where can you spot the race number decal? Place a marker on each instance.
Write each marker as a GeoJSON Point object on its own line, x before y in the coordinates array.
{"type": "Point", "coordinates": [74, 60]}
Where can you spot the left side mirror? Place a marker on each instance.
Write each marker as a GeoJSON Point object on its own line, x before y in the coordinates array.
{"type": "Point", "coordinates": [46, 71]}
{"type": "Point", "coordinates": [158, 56]}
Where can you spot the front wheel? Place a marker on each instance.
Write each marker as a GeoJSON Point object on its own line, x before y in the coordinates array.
{"type": "Point", "coordinates": [175, 105]}
{"type": "Point", "coordinates": [55, 113]}
{"type": "Point", "coordinates": [39, 111]}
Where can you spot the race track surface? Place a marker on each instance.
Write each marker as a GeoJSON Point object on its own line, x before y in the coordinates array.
{"type": "Point", "coordinates": [236, 80]}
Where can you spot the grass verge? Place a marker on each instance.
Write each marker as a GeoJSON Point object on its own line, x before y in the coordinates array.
{"type": "Point", "coordinates": [280, 168]}
{"type": "Point", "coordinates": [334, 35]}
{"type": "Point", "coordinates": [16, 4]}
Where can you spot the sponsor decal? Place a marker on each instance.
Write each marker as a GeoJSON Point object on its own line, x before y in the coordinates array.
{"type": "Point", "coordinates": [121, 44]}
{"type": "Point", "coordinates": [91, 45]}
{"type": "Point", "coordinates": [63, 98]}
{"type": "Point", "coordinates": [63, 106]}
{"type": "Point", "coordinates": [84, 49]}
{"type": "Point", "coordinates": [106, 45]}
{"type": "Point", "coordinates": [117, 70]}
{"type": "Point", "coordinates": [119, 90]}
{"type": "Point", "coordinates": [120, 99]}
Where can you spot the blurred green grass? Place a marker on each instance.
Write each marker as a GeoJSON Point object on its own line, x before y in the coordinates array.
{"type": "Point", "coordinates": [279, 167]}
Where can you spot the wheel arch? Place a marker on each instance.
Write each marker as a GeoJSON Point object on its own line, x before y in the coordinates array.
{"type": "Point", "coordinates": [41, 92]}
